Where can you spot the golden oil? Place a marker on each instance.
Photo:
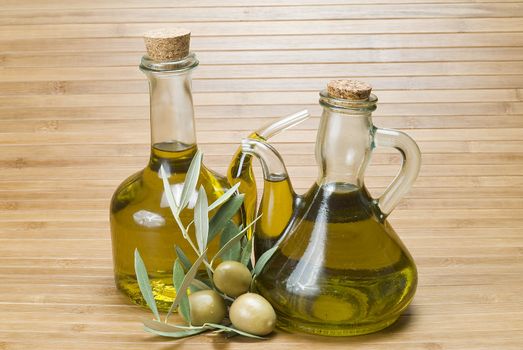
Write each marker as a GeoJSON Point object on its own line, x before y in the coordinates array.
{"type": "Point", "coordinates": [240, 170]}
{"type": "Point", "coordinates": [276, 207]}
{"type": "Point", "coordinates": [341, 271]}
{"type": "Point", "coordinates": [141, 218]}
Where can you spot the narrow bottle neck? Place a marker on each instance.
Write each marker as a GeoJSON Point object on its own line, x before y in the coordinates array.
{"type": "Point", "coordinates": [171, 109]}
{"type": "Point", "coordinates": [344, 144]}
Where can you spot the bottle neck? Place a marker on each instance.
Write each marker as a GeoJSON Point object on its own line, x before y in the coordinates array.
{"type": "Point", "coordinates": [344, 141]}
{"type": "Point", "coordinates": [171, 104]}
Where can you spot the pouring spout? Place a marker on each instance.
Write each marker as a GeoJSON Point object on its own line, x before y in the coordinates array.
{"type": "Point", "coordinates": [240, 170]}
{"type": "Point", "coordinates": [272, 164]}
{"type": "Point", "coordinates": [278, 203]}
{"type": "Point", "coordinates": [273, 129]}
{"type": "Point", "coordinates": [242, 162]}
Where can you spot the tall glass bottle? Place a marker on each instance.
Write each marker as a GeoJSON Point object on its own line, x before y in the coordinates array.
{"type": "Point", "coordinates": [140, 215]}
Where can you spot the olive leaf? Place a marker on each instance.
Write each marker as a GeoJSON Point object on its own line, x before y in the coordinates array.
{"type": "Point", "coordinates": [184, 308]}
{"type": "Point", "coordinates": [224, 197]}
{"type": "Point", "coordinates": [201, 220]}
{"type": "Point", "coordinates": [231, 247]}
{"type": "Point", "coordinates": [201, 225]}
{"type": "Point", "coordinates": [167, 327]}
{"type": "Point", "coordinates": [197, 285]}
{"type": "Point", "coordinates": [177, 334]}
{"type": "Point", "coordinates": [191, 178]}
{"type": "Point", "coordinates": [183, 258]}
{"type": "Point", "coordinates": [168, 191]}
{"type": "Point", "coordinates": [247, 252]}
{"type": "Point", "coordinates": [233, 240]}
{"type": "Point", "coordinates": [172, 331]}
{"type": "Point", "coordinates": [186, 282]}
{"type": "Point", "coordinates": [172, 201]}
{"type": "Point", "coordinates": [144, 284]}
{"type": "Point", "coordinates": [224, 214]}
{"type": "Point", "coordinates": [232, 329]}
{"type": "Point", "coordinates": [263, 259]}
{"type": "Point", "coordinates": [162, 327]}
{"type": "Point", "coordinates": [179, 331]}
{"type": "Point", "coordinates": [234, 252]}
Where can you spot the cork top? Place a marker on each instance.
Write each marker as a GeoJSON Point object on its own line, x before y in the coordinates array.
{"type": "Point", "coordinates": [168, 44]}
{"type": "Point", "coordinates": [349, 89]}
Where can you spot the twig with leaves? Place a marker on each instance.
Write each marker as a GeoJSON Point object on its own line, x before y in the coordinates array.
{"type": "Point", "coordinates": [234, 246]}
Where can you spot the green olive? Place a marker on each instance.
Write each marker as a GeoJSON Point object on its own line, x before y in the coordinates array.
{"type": "Point", "coordinates": [252, 313]}
{"type": "Point", "coordinates": [207, 306]}
{"type": "Point", "coordinates": [232, 278]}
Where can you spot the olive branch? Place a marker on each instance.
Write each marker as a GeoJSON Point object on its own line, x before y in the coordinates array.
{"type": "Point", "coordinates": [234, 245]}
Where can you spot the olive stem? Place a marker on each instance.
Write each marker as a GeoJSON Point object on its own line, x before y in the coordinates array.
{"type": "Point", "coordinates": [205, 262]}
{"type": "Point", "coordinates": [188, 239]}
{"type": "Point", "coordinates": [187, 327]}
{"type": "Point", "coordinates": [238, 236]}
{"type": "Point", "coordinates": [208, 266]}
{"type": "Point", "coordinates": [225, 296]}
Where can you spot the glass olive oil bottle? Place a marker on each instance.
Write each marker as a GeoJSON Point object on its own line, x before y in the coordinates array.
{"type": "Point", "coordinates": [338, 268]}
{"type": "Point", "coordinates": [139, 214]}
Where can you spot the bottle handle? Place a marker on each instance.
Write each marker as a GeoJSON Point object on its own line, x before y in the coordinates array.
{"type": "Point", "coordinates": [409, 167]}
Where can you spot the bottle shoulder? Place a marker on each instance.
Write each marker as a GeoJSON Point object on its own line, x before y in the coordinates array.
{"type": "Point", "coordinates": [129, 184]}
{"type": "Point", "coordinates": [212, 176]}
{"type": "Point", "coordinates": [146, 187]}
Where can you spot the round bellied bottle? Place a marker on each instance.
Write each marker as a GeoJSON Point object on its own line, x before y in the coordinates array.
{"type": "Point", "coordinates": [338, 268]}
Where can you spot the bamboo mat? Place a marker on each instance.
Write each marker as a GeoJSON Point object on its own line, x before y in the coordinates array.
{"type": "Point", "coordinates": [74, 124]}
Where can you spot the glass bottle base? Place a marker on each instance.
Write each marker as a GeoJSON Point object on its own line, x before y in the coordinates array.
{"type": "Point", "coordinates": [294, 326]}
{"type": "Point", "coordinates": [163, 291]}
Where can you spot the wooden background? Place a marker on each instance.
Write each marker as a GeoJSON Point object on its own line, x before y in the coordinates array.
{"type": "Point", "coordinates": [74, 124]}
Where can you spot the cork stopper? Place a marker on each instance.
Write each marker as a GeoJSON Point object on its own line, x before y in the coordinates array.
{"type": "Point", "coordinates": [349, 89]}
{"type": "Point", "coordinates": [169, 44]}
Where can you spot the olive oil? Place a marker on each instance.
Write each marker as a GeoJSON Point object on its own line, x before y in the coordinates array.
{"type": "Point", "coordinates": [276, 209]}
{"type": "Point", "coordinates": [240, 171]}
{"type": "Point", "coordinates": [342, 271]}
{"type": "Point", "coordinates": [141, 218]}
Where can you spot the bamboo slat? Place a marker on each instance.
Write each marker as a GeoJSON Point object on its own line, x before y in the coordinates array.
{"type": "Point", "coordinates": [74, 122]}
